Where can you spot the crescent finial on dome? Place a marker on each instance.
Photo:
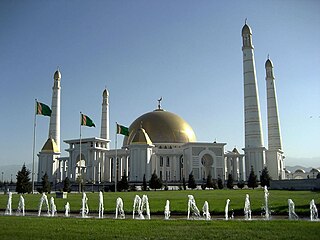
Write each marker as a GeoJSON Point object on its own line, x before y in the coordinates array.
{"type": "Point", "coordinates": [159, 102]}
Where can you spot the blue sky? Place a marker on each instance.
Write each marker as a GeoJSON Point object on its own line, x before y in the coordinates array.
{"type": "Point", "coordinates": [188, 52]}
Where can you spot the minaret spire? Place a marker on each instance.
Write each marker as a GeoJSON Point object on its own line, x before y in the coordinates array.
{"type": "Point", "coordinates": [54, 128]}
{"type": "Point", "coordinates": [254, 149]}
{"type": "Point", "coordinates": [274, 154]}
{"type": "Point", "coordinates": [105, 116]}
{"type": "Point", "coordinates": [274, 136]}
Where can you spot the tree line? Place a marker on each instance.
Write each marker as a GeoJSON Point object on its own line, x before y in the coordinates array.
{"type": "Point", "coordinates": [24, 185]}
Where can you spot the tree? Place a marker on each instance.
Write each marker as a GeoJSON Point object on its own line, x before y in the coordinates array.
{"type": "Point", "coordinates": [144, 183]}
{"type": "Point", "coordinates": [123, 185]}
{"type": "Point", "coordinates": [265, 177]}
{"type": "Point", "coordinates": [23, 181]}
{"type": "Point", "coordinates": [252, 180]}
{"type": "Point", "coordinates": [46, 186]}
{"type": "Point", "coordinates": [240, 184]}
{"type": "Point", "coordinates": [191, 182]}
{"type": "Point", "coordinates": [220, 183]}
{"type": "Point", "coordinates": [209, 183]}
{"type": "Point", "coordinates": [66, 185]}
{"type": "Point", "coordinates": [155, 182]}
{"type": "Point", "coordinates": [230, 181]}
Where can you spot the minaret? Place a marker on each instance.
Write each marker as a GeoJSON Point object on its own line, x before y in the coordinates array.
{"type": "Point", "coordinates": [54, 128]}
{"type": "Point", "coordinates": [254, 149]}
{"type": "Point", "coordinates": [105, 116]}
{"type": "Point", "coordinates": [274, 136]}
{"type": "Point", "coordinates": [274, 156]}
{"type": "Point", "coordinates": [50, 152]}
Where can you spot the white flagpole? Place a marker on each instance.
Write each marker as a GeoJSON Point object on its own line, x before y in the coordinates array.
{"type": "Point", "coordinates": [116, 160]}
{"type": "Point", "coordinates": [79, 169]}
{"type": "Point", "coordinates": [34, 144]}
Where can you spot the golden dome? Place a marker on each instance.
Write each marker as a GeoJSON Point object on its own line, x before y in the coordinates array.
{"type": "Point", "coordinates": [50, 146]}
{"type": "Point", "coordinates": [162, 127]}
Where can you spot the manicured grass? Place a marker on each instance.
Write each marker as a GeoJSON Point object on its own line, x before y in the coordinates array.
{"type": "Point", "coordinates": [76, 228]}
{"type": "Point", "coordinates": [278, 201]}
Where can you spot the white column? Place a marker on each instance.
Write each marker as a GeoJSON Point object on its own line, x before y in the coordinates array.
{"type": "Point", "coordinates": [274, 136]}
{"type": "Point", "coordinates": [241, 172]}
{"type": "Point", "coordinates": [254, 149]}
{"type": "Point", "coordinates": [54, 128]}
{"type": "Point", "coordinates": [105, 117]}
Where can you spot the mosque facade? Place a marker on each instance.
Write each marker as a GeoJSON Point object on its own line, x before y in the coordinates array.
{"type": "Point", "coordinates": [162, 142]}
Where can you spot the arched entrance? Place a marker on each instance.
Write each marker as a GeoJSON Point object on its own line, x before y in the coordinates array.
{"type": "Point", "coordinates": [207, 162]}
{"type": "Point", "coordinates": [80, 168]}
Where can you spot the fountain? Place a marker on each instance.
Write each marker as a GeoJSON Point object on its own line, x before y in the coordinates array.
{"type": "Point", "coordinates": [313, 211]}
{"type": "Point", "coordinates": [266, 207]}
{"type": "Point", "coordinates": [119, 209]}
{"type": "Point", "coordinates": [226, 209]}
{"type": "Point", "coordinates": [247, 208]}
{"type": "Point", "coordinates": [101, 208]}
{"type": "Point", "coordinates": [85, 208]}
{"type": "Point", "coordinates": [145, 206]}
{"type": "Point", "coordinates": [205, 210]}
{"type": "Point", "coordinates": [67, 209]}
{"type": "Point", "coordinates": [167, 210]}
{"type": "Point", "coordinates": [141, 205]}
{"type": "Point", "coordinates": [137, 206]}
{"type": "Point", "coordinates": [53, 207]}
{"type": "Point", "coordinates": [192, 207]}
{"type": "Point", "coordinates": [9, 204]}
{"type": "Point", "coordinates": [44, 199]}
{"type": "Point", "coordinates": [292, 214]}
{"type": "Point", "coordinates": [21, 206]}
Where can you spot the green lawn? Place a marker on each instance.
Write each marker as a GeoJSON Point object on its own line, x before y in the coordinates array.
{"type": "Point", "coordinates": [278, 201]}
{"type": "Point", "coordinates": [77, 228]}
{"type": "Point", "coordinates": [32, 227]}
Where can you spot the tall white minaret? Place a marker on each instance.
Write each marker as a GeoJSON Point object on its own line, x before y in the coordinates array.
{"type": "Point", "coordinates": [274, 156]}
{"type": "Point", "coordinates": [54, 128]}
{"type": "Point", "coordinates": [49, 154]}
{"type": "Point", "coordinates": [274, 135]}
{"type": "Point", "coordinates": [254, 149]}
{"type": "Point", "coordinates": [105, 117]}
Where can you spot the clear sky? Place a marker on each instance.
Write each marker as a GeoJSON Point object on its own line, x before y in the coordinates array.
{"type": "Point", "coordinates": [188, 52]}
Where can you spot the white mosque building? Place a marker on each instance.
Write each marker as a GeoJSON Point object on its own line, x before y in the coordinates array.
{"type": "Point", "coordinates": [162, 142]}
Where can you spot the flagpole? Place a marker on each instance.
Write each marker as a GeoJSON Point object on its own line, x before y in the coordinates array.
{"type": "Point", "coordinates": [116, 161]}
{"type": "Point", "coordinates": [79, 170]}
{"type": "Point", "coordinates": [34, 145]}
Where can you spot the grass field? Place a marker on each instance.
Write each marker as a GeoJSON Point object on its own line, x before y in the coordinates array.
{"type": "Point", "coordinates": [77, 228]}
{"type": "Point", "coordinates": [32, 227]}
{"type": "Point", "coordinates": [278, 201]}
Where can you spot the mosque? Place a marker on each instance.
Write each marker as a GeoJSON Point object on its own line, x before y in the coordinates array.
{"type": "Point", "coordinates": [162, 142]}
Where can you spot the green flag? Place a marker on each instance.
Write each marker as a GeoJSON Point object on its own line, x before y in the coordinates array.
{"type": "Point", "coordinates": [86, 121]}
{"type": "Point", "coordinates": [42, 109]}
{"type": "Point", "coordinates": [122, 130]}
